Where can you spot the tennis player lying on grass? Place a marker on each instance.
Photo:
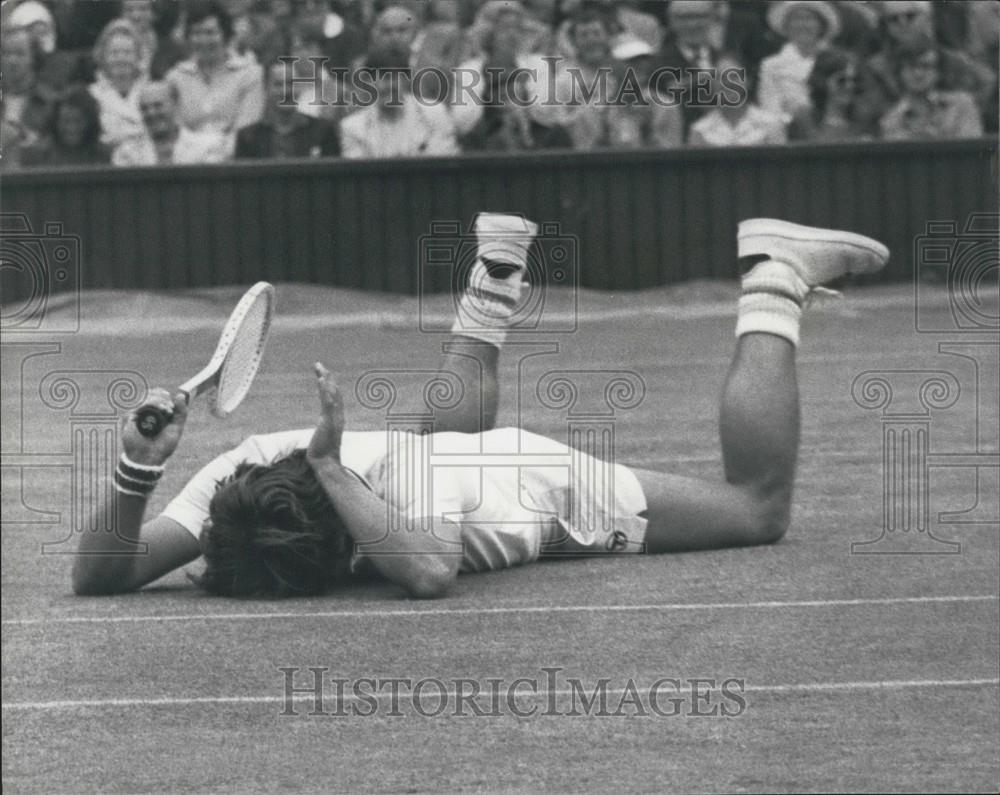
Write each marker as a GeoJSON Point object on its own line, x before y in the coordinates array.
{"type": "Point", "coordinates": [293, 513]}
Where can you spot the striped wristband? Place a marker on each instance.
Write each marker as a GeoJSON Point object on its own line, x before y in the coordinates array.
{"type": "Point", "coordinates": [136, 480]}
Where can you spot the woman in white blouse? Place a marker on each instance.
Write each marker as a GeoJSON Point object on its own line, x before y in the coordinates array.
{"type": "Point", "coordinates": [119, 58]}
{"type": "Point", "coordinates": [736, 120]}
{"type": "Point", "coordinates": [808, 29]}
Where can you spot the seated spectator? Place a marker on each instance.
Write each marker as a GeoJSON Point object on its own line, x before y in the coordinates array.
{"type": "Point", "coordinates": [73, 138]}
{"type": "Point", "coordinates": [834, 85]}
{"type": "Point", "coordinates": [218, 89]}
{"type": "Point", "coordinates": [396, 125]}
{"type": "Point", "coordinates": [78, 24]}
{"type": "Point", "coordinates": [283, 131]}
{"type": "Point", "coordinates": [165, 140]}
{"type": "Point", "coordinates": [690, 47]}
{"type": "Point", "coordinates": [14, 139]}
{"type": "Point", "coordinates": [982, 36]}
{"type": "Point", "coordinates": [118, 56]}
{"type": "Point", "coordinates": [808, 28]}
{"type": "Point", "coordinates": [395, 30]}
{"type": "Point", "coordinates": [318, 30]}
{"type": "Point", "coordinates": [657, 120]}
{"type": "Point", "coordinates": [534, 22]}
{"type": "Point", "coordinates": [859, 28]}
{"type": "Point", "coordinates": [627, 22]}
{"type": "Point", "coordinates": [924, 111]}
{"type": "Point", "coordinates": [55, 67]}
{"type": "Point", "coordinates": [258, 35]}
{"type": "Point", "coordinates": [747, 31]}
{"type": "Point", "coordinates": [737, 121]}
{"type": "Point", "coordinates": [479, 93]}
{"type": "Point", "coordinates": [440, 43]}
{"type": "Point", "coordinates": [596, 120]}
{"type": "Point", "coordinates": [27, 101]}
{"type": "Point", "coordinates": [159, 51]}
{"type": "Point", "coordinates": [904, 22]}
{"type": "Point", "coordinates": [399, 30]}
{"type": "Point", "coordinates": [507, 125]}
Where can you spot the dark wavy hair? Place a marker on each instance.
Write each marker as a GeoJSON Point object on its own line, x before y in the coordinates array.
{"type": "Point", "coordinates": [200, 10]}
{"type": "Point", "coordinates": [79, 98]}
{"type": "Point", "coordinates": [829, 62]}
{"type": "Point", "coordinates": [274, 533]}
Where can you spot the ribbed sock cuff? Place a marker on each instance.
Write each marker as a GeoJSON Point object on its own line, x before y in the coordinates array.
{"type": "Point", "coordinates": [771, 301]}
{"type": "Point", "coordinates": [770, 314]}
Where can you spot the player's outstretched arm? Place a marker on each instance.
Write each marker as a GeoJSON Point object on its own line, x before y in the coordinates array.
{"type": "Point", "coordinates": [423, 561]}
{"type": "Point", "coordinates": [110, 563]}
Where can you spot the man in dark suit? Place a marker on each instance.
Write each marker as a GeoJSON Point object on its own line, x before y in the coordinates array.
{"type": "Point", "coordinates": [689, 50]}
{"type": "Point", "coordinates": [284, 131]}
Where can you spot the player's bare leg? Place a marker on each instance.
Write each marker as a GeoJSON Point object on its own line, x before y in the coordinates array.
{"type": "Point", "coordinates": [494, 290]}
{"type": "Point", "coordinates": [759, 415]}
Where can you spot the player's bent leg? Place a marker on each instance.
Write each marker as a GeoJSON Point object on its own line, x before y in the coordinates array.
{"type": "Point", "coordinates": [475, 363]}
{"type": "Point", "coordinates": [759, 415]}
{"type": "Point", "coordinates": [687, 514]}
{"type": "Point", "coordinates": [494, 290]}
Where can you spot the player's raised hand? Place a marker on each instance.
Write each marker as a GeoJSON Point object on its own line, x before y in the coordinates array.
{"type": "Point", "coordinates": [325, 442]}
{"type": "Point", "coordinates": [155, 451]}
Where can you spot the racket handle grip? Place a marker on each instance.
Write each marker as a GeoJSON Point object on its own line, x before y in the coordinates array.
{"type": "Point", "coordinates": [151, 420]}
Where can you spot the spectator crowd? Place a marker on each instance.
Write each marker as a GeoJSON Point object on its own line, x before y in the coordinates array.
{"type": "Point", "coordinates": [147, 82]}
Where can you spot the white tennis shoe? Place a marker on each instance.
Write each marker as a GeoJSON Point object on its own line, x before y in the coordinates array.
{"type": "Point", "coordinates": [817, 255]}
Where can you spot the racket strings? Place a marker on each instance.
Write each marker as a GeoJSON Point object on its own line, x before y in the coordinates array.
{"type": "Point", "coordinates": [243, 358]}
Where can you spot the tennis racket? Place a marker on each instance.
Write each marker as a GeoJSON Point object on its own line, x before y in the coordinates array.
{"type": "Point", "coordinates": [233, 365]}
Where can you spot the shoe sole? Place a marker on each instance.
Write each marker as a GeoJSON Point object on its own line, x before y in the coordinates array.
{"type": "Point", "coordinates": [775, 228]}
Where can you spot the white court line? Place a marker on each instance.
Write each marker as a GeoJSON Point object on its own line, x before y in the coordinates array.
{"type": "Point", "coordinates": [673, 308]}
{"type": "Point", "coordinates": [330, 704]}
{"type": "Point", "coordinates": [466, 611]}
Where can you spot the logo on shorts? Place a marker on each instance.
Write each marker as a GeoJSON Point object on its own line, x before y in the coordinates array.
{"type": "Point", "coordinates": [616, 542]}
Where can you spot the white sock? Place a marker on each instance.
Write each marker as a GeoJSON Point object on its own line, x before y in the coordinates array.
{"type": "Point", "coordinates": [486, 306]}
{"type": "Point", "coordinates": [771, 301]}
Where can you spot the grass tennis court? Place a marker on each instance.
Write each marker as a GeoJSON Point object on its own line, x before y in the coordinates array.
{"type": "Point", "coordinates": [861, 671]}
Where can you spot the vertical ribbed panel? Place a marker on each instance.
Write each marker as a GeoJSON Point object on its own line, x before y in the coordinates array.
{"type": "Point", "coordinates": [641, 218]}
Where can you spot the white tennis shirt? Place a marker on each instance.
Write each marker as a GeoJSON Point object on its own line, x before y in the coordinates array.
{"type": "Point", "coordinates": [513, 492]}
